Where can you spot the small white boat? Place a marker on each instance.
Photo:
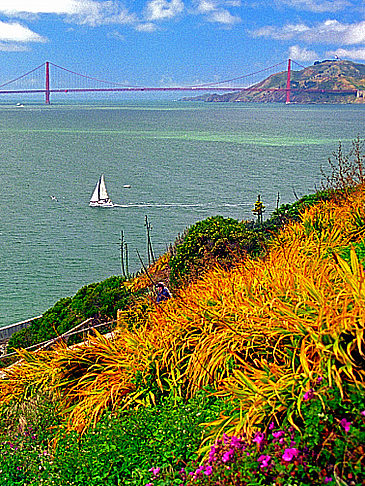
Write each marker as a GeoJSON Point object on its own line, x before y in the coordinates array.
{"type": "Point", "coordinates": [100, 197]}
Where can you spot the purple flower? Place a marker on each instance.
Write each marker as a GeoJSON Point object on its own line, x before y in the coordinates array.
{"type": "Point", "coordinates": [154, 470]}
{"type": "Point", "coordinates": [149, 484]}
{"type": "Point", "coordinates": [228, 455]}
{"type": "Point", "coordinates": [212, 452]}
{"type": "Point", "coordinates": [319, 380]}
{"type": "Point", "coordinates": [278, 434]}
{"type": "Point", "coordinates": [271, 426]}
{"type": "Point", "coordinates": [327, 480]}
{"type": "Point", "coordinates": [264, 459]}
{"type": "Point", "coordinates": [308, 395]}
{"type": "Point", "coordinates": [208, 470]}
{"type": "Point", "coordinates": [259, 437]}
{"type": "Point", "coordinates": [290, 453]}
{"type": "Point", "coordinates": [345, 424]}
{"type": "Point", "coordinates": [362, 413]}
{"type": "Point", "coordinates": [236, 442]}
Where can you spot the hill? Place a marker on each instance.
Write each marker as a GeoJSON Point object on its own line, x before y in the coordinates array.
{"type": "Point", "coordinates": [324, 75]}
{"type": "Point", "coordinates": [253, 373]}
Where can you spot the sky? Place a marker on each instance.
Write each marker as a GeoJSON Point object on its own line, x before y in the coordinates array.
{"type": "Point", "coordinates": [176, 42]}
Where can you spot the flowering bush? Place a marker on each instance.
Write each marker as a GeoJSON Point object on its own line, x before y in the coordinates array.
{"type": "Point", "coordinates": [327, 449]}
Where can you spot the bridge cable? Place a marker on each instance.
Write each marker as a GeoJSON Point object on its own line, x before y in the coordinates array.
{"type": "Point", "coordinates": [22, 76]}
{"type": "Point", "coordinates": [238, 77]}
{"type": "Point", "coordinates": [94, 79]}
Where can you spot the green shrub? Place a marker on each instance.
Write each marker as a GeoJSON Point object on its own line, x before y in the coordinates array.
{"type": "Point", "coordinates": [121, 449]}
{"type": "Point", "coordinates": [214, 240]}
{"type": "Point", "coordinates": [292, 212]}
{"type": "Point", "coordinates": [97, 300]}
{"type": "Point", "coordinates": [326, 448]}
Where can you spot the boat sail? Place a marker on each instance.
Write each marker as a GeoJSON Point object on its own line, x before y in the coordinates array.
{"type": "Point", "coordinates": [100, 197]}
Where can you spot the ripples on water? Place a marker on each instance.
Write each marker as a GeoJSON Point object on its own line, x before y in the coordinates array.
{"type": "Point", "coordinates": [183, 161]}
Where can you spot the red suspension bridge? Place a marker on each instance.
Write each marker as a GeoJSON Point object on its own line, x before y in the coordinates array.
{"type": "Point", "coordinates": [40, 81]}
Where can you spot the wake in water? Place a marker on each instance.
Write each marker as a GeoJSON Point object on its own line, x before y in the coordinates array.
{"type": "Point", "coordinates": [182, 205]}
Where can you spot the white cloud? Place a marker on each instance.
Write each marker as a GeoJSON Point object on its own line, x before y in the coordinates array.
{"type": "Point", "coordinates": [87, 12]}
{"type": "Point", "coordinates": [163, 9]}
{"type": "Point", "coordinates": [287, 32]}
{"type": "Point", "coordinates": [356, 54]}
{"type": "Point", "coordinates": [146, 27]}
{"type": "Point", "coordinates": [318, 6]}
{"type": "Point", "coordinates": [328, 32]}
{"type": "Point", "coordinates": [15, 32]}
{"type": "Point", "coordinates": [216, 11]}
{"type": "Point", "coordinates": [222, 16]}
{"type": "Point", "coordinates": [15, 7]}
{"type": "Point", "coordinates": [206, 6]}
{"type": "Point", "coordinates": [101, 13]}
{"type": "Point", "coordinates": [302, 54]}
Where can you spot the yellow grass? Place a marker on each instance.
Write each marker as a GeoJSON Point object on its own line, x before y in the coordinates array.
{"type": "Point", "coordinates": [260, 333]}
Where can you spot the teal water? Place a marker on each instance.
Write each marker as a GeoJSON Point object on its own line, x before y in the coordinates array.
{"type": "Point", "coordinates": [184, 162]}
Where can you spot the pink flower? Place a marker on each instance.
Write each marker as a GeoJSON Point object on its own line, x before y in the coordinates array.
{"type": "Point", "coordinates": [345, 424]}
{"type": "Point", "coordinates": [264, 459]}
{"type": "Point", "coordinates": [278, 434]}
{"type": "Point", "coordinates": [259, 437]}
{"type": "Point", "coordinates": [308, 395]}
{"type": "Point", "coordinates": [212, 452]}
{"type": "Point", "coordinates": [236, 442]}
{"type": "Point", "coordinates": [208, 470]}
{"type": "Point", "coordinates": [327, 480]}
{"type": "Point", "coordinates": [319, 380]}
{"type": "Point", "coordinates": [154, 470]}
{"type": "Point", "coordinates": [228, 456]}
{"type": "Point", "coordinates": [362, 413]}
{"type": "Point", "coordinates": [290, 453]}
{"type": "Point", "coordinates": [271, 426]}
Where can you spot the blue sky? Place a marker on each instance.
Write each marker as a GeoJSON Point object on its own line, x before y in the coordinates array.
{"type": "Point", "coordinates": [170, 42]}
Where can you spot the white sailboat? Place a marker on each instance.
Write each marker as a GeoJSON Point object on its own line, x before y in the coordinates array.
{"type": "Point", "coordinates": [100, 197]}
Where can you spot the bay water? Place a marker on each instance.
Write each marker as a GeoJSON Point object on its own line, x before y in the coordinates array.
{"type": "Point", "coordinates": [183, 161]}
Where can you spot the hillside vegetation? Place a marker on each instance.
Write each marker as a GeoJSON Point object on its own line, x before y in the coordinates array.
{"type": "Point", "coordinates": [325, 75]}
{"type": "Point", "coordinates": [253, 373]}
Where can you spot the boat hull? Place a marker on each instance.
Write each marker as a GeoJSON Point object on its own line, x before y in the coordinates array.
{"type": "Point", "coordinates": [101, 204]}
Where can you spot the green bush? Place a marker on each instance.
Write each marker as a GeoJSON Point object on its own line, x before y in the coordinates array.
{"type": "Point", "coordinates": [292, 212]}
{"type": "Point", "coordinates": [97, 300]}
{"type": "Point", "coordinates": [223, 240]}
{"type": "Point", "coordinates": [214, 240]}
{"type": "Point", "coordinates": [121, 450]}
{"type": "Point", "coordinates": [327, 447]}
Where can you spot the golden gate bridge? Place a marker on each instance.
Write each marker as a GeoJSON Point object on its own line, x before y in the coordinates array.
{"type": "Point", "coordinates": [44, 80]}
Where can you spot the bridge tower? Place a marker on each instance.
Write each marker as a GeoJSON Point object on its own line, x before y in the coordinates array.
{"type": "Point", "coordinates": [288, 83]}
{"type": "Point", "coordinates": [47, 83]}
